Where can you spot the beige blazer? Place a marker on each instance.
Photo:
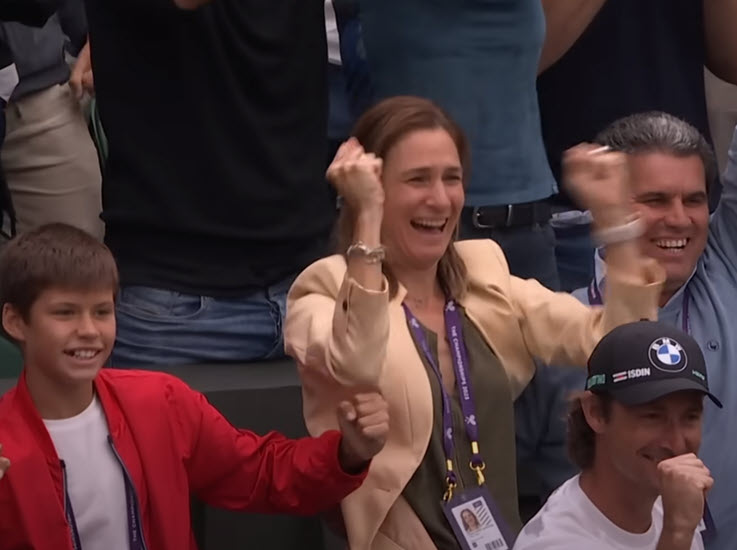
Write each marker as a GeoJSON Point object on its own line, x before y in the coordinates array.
{"type": "Point", "coordinates": [346, 337]}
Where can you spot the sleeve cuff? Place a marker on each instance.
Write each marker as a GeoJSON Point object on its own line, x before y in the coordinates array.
{"type": "Point", "coordinates": [354, 480]}
{"type": "Point", "coordinates": [360, 333]}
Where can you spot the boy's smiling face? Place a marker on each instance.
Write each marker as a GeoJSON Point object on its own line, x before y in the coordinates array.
{"type": "Point", "coordinates": [67, 335]}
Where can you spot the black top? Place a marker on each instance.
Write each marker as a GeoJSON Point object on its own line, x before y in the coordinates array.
{"type": "Point", "coordinates": [216, 120]}
{"type": "Point", "coordinates": [28, 12]}
{"type": "Point", "coordinates": [637, 55]}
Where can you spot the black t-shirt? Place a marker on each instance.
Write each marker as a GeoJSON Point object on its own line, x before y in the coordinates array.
{"type": "Point", "coordinates": [28, 12]}
{"type": "Point", "coordinates": [636, 56]}
{"type": "Point", "coordinates": [216, 121]}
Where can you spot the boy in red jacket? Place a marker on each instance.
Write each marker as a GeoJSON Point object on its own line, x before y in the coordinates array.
{"type": "Point", "coordinates": [107, 459]}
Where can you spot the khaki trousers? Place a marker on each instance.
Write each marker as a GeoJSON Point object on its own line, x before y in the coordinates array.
{"type": "Point", "coordinates": [50, 162]}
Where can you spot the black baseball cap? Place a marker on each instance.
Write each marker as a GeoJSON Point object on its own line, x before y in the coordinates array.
{"type": "Point", "coordinates": [641, 362]}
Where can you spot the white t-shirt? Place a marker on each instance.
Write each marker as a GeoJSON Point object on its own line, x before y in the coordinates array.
{"type": "Point", "coordinates": [95, 479]}
{"type": "Point", "coordinates": [570, 521]}
{"type": "Point", "coordinates": [331, 28]}
{"type": "Point", "coordinates": [8, 81]}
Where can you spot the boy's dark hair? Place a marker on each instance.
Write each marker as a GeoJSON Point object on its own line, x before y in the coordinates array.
{"type": "Point", "coordinates": [581, 440]}
{"type": "Point", "coordinates": [53, 256]}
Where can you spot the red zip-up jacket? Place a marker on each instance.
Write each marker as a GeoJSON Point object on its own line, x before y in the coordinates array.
{"type": "Point", "coordinates": [173, 443]}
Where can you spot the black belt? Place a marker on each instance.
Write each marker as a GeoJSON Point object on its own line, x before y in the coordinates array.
{"type": "Point", "coordinates": [510, 215]}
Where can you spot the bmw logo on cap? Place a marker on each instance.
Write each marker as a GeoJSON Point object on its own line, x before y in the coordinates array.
{"type": "Point", "coordinates": [667, 355]}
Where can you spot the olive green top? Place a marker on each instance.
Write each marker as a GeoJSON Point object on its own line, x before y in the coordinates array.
{"type": "Point", "coordinates": [495, 417]}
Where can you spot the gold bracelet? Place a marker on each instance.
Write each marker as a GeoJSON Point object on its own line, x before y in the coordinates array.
{"type": "Point", "coordinates": [374, 255]}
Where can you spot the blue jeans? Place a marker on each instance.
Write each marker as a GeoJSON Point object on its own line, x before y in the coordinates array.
{"type": "Point", "coordinates": [530, 250]}
{"type": "Point", "coordinates": [340, 118]}
{"type": "Point", "coordinates": [162, 327]}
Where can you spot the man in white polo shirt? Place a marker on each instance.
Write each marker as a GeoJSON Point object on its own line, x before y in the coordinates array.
{"type": "Point", "coordinates": [634, 433]}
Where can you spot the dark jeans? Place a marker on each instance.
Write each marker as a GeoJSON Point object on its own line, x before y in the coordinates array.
{"type": "Point", "coordinates": [530, 250]}
{"type": "Point", "coordinates": [574, 251]}
{"type": "Point", "coordinates": [340, 118]}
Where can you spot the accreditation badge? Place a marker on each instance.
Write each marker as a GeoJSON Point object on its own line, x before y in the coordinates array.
{"type": "Point", "coordinates": [477, 521]}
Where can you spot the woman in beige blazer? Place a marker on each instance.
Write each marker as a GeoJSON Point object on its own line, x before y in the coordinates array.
{"type": "Point", "coordinates": [401, 179]}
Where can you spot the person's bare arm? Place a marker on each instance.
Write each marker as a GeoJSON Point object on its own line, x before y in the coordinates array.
{"type": "Point", "coordinates": [565, 21]}
{"type": "Point", "coordinates": [720, 17]}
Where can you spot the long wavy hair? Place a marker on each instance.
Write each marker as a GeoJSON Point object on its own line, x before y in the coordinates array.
{"type": "Point", "coordinates": [581, 439]}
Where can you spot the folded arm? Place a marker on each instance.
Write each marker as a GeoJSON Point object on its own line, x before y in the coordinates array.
{"type": "Point", "coordinates": [565, 21]}
{"type": "Point", "coordinates": [720, 17]}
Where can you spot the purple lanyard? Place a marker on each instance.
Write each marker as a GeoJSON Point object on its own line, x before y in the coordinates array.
{"type": "Point", "coordinates": [134, 531]}
{"type": "Point", "coordinates": [595, 299]}
{"type": "Point", "coordinates": [459, 354]}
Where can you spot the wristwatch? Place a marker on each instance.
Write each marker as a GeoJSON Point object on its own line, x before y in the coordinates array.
{"type": "Point", "coordinates": [373, 255]}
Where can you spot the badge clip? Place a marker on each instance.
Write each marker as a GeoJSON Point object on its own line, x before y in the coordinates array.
{"type": "Point", "coordinates": [479, 469]}
{"type": "Point", "coordinates": [450, 481]}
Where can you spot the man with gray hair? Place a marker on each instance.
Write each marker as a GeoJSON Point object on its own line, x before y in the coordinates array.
{"type": "Point", "coordinates": [670, 164]}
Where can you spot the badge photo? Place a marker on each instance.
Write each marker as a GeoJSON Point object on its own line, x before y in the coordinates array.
{"type": "Point", "coordinates": [477, 522]}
